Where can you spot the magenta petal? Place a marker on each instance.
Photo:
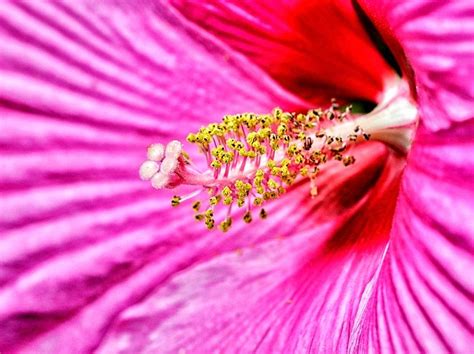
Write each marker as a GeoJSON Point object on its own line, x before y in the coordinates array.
{"type": "Point", "coordinates": [317, 49]}
{"type": "Point", "coordinates": [303, 290]}
{"type": "Point", "coordinates": [433, 42]}
{"type": "Point", "coordinates": [423, 302]}
{"type": "Point", "coordinates": [424, 299]}
{"type": "Point", "coordinates": [85, 87]}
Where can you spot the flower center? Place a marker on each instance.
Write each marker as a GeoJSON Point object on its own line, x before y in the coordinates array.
{"type": "Point", "coordinates": [253, 158]}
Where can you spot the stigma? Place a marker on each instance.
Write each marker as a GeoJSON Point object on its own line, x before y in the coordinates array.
{"type": "Point", "coordinates": [254, 158]}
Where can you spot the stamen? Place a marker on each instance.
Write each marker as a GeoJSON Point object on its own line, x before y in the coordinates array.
{"type": "Point", "coordinates": [253, 158]}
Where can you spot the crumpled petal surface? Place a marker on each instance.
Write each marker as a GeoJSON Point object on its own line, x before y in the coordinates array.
{"type": "Point", "coordinates": [318, 49]}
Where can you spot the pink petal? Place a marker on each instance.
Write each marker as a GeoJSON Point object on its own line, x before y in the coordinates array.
{"type": "Point", "coordinates": [433, 40]}
{"type": "Point", "coordinates": [423, 302]}
{"type": "Point", "coordinates": [317, 49]}
{"type": "Point", "coordinates": [85, 87]}
{"type": "Point", "coordinates": [298, 291]}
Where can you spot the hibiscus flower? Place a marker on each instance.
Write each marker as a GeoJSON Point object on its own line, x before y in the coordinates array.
{"type": "Point", "coordinates": [93, 259]}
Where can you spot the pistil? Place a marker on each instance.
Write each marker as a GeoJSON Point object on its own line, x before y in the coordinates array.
{"type": "Point", "coordinates": [253, 158]}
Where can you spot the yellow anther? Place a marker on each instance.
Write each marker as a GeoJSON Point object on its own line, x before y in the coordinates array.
{"type": "Point", "coordinates": [260, 190]}
{"type": "Point", "coordinates": [216, 164]}
{"type": "Point", "coordinates": [191, 138]}
{"type": "Point", "coordinates": [285, 162]}
{"type": "Point", "coordinates": [256, 145]}
{"type": "Point", "coordinates": [304, 171]}
{"type": "Point", "coordinates": [277, 112]}
{"type": "Point", "coordinates": [292, 149]}
{"type": "Point", "coordinates": [220, 130]}
{"type": "Point", "coordinates": [226, 192]}
{"type": "Point", "coordinates": [252, 137]}
{"type": "Point", "coordinates": [271, 164]}
{"type": "Point", "coordinates": [275, 171]}
{"type": "Point", "coordinates": [257, 181]}
{"type": "Point", "coordinates": [286, 139]}
{"type": "Point", "coordinates": [225, 225]}
{"type": "Point", "coordinates": [264, 133]}
{"type": "Point", "coordinates": [299, 159]}
{"type": "Point", "coordinates": [317, 157]}
{"type": "Point", "coordinates": [231, 144]}
{"type": "Point", "coordinates": [348, 160]}
{"type": "Point", "coordinates": [282, 129]}
{"type": "Point", "coordinates": [175, 201]}
{"type": "Point", "coordinates": [289, 180]}
{"type": "Point", "coordinates": [281, 190]}
{"type": "Point", "coordinates": [273, 137]}
{"type": "Point", "coordinates": [269, 120]}
{"type": "Point", "coordinates": [217, 151]}
{"type": "Point", "coordinates": [258, 201]}
{"type": "Point", "coordinates": [209, 213]}
{"type": "Point", "coordinates": [205, 139]}
{"type": "Point", "coordinates": [285, 172]}
{"type": "Point", "coordinates": [314, 114]}
{"type": "Point", "coordinates": [214, 200]}
{"type": "Point", "coordinates": [227, 157]}
{"type": "Point", "coordinates": [227, 200]}
{"type": "Point", "coordinates": [210, 224]}
{"type": "Point", "coordinates": [242, 152]}
{"type": "Point", "coordinates": [240, 202]}
{"type": "Point", "coordinates": [272, 184]}
{"type": "Point", "coordinates": [286, 117]}
{"type": "Point", "coordinates": [301, 136]}
{"type": "Point", "coordinates": [260, 172]}
{"type": "Point", "coordinates": [248, 217]}
{"type": "Point", "coordinates": [300, 118]}
{"type": "Point", "coordinates": [251, 154]}
{"type": "Point", "coordinates": [196, 205]}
